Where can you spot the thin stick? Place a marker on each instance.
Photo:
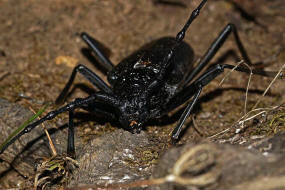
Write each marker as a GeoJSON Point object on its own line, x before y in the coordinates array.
{"type": "Point", "coordinates": [221, 132]}
{"type": "Point", "coordinates": [241, 122]}
{"type": "Point", "coordinates": [195, 126]}
{"type": "Point", "coordinates": [4, 74]}
{"type": "Point", "coordinates": [228, 73]}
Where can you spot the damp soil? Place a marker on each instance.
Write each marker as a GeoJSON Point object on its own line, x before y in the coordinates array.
{"type": "Point", "coordinates": [40, 45]}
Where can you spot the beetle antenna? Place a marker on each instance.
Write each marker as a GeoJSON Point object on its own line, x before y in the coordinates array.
{"type": "Point", "coordinates": [180, 36]}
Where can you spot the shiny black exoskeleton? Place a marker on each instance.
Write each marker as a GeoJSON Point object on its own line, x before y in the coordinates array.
{"type": "Point", "coordinates": [148, 84]}
{"type": "Point", "coordinates": [132, 77]}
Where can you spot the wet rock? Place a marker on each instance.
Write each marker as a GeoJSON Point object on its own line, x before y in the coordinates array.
{"type": "Point", "coordinates": [114, 158]}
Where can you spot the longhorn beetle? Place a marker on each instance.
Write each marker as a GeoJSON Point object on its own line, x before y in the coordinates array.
{"type": "Point", "coordinates": [147, 84]}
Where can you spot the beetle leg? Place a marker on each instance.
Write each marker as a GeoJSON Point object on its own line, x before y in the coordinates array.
{"type": "Point", "coordinates": [77, 103]}
{"type": "Point", "coordinates": [89, 75]}
{"type": "Point", "coordinates": [92, 109]}
{"type": "Point", "coordinates": [70, 139]}
{"type": "Point", "coordinates": [176, 132]}
{"type": "Point", "coordinates": [71, 106]}
{"type": "Point", "coordinates": [100, 110]}
{"type": "Point", "coordinates": [93, 45]}
{"type": "Point", "coordinates": [215, 46]}
{"type": "Point", "coordinates": [196, 87]}
{"type": "Point", "coordinates": [254, 71]}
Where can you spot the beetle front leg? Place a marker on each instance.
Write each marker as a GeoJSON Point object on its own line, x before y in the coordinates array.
{"type": "Point", "coordinates": [77, 103]}
{"type": "Point", "coordinates": [49, 116]}
{"type": "Point", "coordinates": [94, 108]}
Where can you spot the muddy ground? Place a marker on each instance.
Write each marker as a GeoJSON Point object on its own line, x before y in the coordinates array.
{"type": "Point", "coordinates": [40, 44]}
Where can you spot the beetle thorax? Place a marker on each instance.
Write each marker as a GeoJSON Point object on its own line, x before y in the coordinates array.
{"type": "Point", "coordinates": [132, 83]}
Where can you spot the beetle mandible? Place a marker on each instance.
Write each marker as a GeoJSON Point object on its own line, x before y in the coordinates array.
{"type": "Point", "coordinates": [147, 84]}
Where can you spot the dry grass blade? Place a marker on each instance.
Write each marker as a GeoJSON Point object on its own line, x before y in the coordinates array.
{"type": "Point", "coordinates": [4, 74]}
{"type": "Point", "coordinates": [247, 116]}
{"type": "Point", "coordinates": [228, 73]}
{"type": "Point", "coordinates": [194, 160]}
{"type": "Point", "coordinates": [248, 82]}
{"type": "Point", "coordinates": [279, 74]}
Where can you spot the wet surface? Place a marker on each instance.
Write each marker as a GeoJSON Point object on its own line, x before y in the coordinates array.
{"type": "Point", "coordinates": [40, 45]}
{"type": "Point", "coordinates": [116, 157]}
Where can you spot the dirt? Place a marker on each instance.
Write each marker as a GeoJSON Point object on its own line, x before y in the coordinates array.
{"type": "Point", "coordinates": [40, 44]}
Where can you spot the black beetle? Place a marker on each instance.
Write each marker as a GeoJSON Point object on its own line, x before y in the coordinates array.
{"type": "Point", "coordinates": [148, 84]}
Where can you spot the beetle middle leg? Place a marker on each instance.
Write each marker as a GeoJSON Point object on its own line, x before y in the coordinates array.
{"type": "Point", "coordinates": [89, 75]}
{"type": "Point", "coordinates": [93, 45]}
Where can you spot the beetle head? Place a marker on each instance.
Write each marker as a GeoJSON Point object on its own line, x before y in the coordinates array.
{"type": "Point", "coordinates": [133, 114]}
